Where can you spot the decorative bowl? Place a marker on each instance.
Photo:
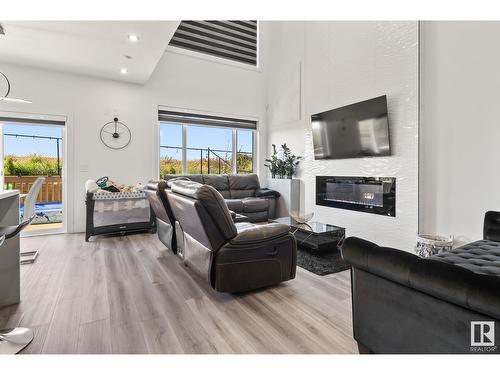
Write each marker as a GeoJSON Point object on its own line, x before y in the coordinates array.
{"type": "Point", "coordinates": [429, 244]}
{"type": "Point", "coordinates": [301, 219]}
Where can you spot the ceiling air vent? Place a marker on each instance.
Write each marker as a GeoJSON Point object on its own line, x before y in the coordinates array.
{"type": "Point", "coordinates": [234, 40]}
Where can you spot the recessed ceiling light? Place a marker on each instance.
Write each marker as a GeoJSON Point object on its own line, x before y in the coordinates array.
{"type": "Point", "coordinates": [123, 70]}
{"type": "Point", "coordinates": [133, 37]}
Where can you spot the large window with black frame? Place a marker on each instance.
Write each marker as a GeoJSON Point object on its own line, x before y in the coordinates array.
{"type": "Point", "coordinates": [201, 144]}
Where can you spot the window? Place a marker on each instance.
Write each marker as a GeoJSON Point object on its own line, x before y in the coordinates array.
{"type": "Point", "coordinates": [170, 149]}
{"type": "Point", "coordinates": [209, 149]}
{"type": "Point", "coordinates": [233, 40]}
{"type": "Point", "coordinates": [244, 151]}
{"type": "Point", "coordinates": [195, 144]}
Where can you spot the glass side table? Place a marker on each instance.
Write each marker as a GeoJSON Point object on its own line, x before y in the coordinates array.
{"type": "Point", "coordinates": [314, 235]}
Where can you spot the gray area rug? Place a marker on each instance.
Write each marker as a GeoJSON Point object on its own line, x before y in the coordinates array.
{"type": "Point", "coordinates": [321, 262]}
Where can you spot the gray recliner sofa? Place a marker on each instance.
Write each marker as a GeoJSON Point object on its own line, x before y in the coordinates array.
{"type": "Point", "coordinates": [231, 257]}
{"type": "Point", "coordinates": [241, 192]}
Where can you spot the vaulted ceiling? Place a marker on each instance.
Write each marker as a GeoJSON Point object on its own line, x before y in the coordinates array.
{"type": "Point", "coordinates": [93, 48]}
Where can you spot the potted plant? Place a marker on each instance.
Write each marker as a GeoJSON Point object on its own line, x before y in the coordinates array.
{"type": "Point", "coordinates": [283, 164]}
{"type": "Point", "coordinates": [290, 161]}
{"type": "Point", "coordinates": [273, 163]}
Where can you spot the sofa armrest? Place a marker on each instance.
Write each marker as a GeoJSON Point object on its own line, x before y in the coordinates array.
{"type": "Point", "coordinates": [389, 263]}
{"type": "Point", "coordinates": [259, 233]}
{"type": "Point", "coordinates": [233, 214]}
{"type": "Point", "coordinates": [491, 227]}
{"type": "Point", "coordinates": [266, 193]}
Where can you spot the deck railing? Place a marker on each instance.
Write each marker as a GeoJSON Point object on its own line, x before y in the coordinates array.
{"type": "Point", "coordinates": [51, 190]}
{"type": "Point", "coordinates": [213, 161]}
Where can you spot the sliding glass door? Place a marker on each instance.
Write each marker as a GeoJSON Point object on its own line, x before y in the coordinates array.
{"type": "Point", "coordinates": [31, 151]}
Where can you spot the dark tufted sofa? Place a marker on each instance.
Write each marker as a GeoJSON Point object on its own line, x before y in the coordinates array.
{"type": "Point", "coordinates": [405, 304]}
{"type": "Point", "coordinates": [241, 192]}
{"type": "Point", "coordinates": [481, 257]}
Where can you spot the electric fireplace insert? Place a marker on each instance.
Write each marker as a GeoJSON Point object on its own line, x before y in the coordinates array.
{"type": "Point", "coordinates": [375, 195]}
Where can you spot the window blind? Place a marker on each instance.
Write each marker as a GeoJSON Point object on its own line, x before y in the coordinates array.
{"type": "Point", "coordinates": [194, 119]}
{"type": "Point", "coordinates": [32, 121]}
{"type": "Point", "coordinates": [234, 40]}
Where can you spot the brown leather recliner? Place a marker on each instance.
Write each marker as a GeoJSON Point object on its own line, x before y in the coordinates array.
{"type": "Point", "coordinates": [231, 257]}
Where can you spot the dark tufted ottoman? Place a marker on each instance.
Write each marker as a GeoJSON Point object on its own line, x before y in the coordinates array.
{"type": "Point", "coordinates": [481, 257]}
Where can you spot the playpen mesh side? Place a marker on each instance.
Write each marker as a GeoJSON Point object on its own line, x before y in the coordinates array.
{"type": "Point", "coordinates": [120, 211]}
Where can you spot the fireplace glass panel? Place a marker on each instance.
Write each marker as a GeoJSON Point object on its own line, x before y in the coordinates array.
{"type": "Point", "coordinates": [376, 195]}
{"type": "Point", "coordinates": [372, 195]}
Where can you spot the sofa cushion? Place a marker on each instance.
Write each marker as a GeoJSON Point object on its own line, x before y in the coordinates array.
{"type": "Point", "coordinates": [239, 194]}
{"type": "Point", "coordinates": [235, 205]}
{"type": "Point", "coordinates": [481, 257]}
{"type": "Point", "coordinates": [192, 177]}
{"type": "Point", "coordinates": [255, 204]}
{"type": "Point", "coordinates": [172, 180]}
{"type": "Point", "coordinates": [243, 226]}
{"type": "Point", "coordinates": [250, 233]}
{"type": "Point", "coordinates": [243, 182]}
{"type": "Point", "coordinates": [242, 186]}
{"type": "Point", "coordinates": [257, 217]}
{"type": "Point", "coordinates": [491, 226]}
{"type": "Point", "coordinates": [219, 182]}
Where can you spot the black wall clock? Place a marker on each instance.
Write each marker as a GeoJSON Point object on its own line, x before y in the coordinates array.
{"type": "Point", "coordinates": [115, 134]}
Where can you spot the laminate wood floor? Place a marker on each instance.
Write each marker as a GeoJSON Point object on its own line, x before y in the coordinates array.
{"type": "Point", "coordinates": [130, 295]}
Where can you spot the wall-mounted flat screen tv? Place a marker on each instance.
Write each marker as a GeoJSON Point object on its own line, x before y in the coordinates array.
{"type": "Point", "coordinates": [354, 131]}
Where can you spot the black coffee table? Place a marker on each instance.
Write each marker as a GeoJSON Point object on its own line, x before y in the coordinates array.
{"type": "Point", "coordinates": [314, 235]}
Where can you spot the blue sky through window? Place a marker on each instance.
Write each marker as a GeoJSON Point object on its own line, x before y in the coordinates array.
{"type": "Point", "coordinates": [170, 135]}
{"type": "Point", "coordinates": [245, 141]}
{"type": "Point", "coordinates": [201, 137]}
{"type": "Point", "coordinates": [22, 146]}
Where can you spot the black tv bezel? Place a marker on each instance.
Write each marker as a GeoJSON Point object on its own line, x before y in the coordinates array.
{"type": "Point", "coordinates": [362, 156]}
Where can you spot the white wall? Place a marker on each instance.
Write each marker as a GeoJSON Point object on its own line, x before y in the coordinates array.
{"type": "Point", "coordinates": [307, 67]}
{"type": "Point", "coordinates": [316, 66]}
{"type": "Point", "coordinates": [460, 132]}
{"type": "Point", "coordinates": [178, 81]}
